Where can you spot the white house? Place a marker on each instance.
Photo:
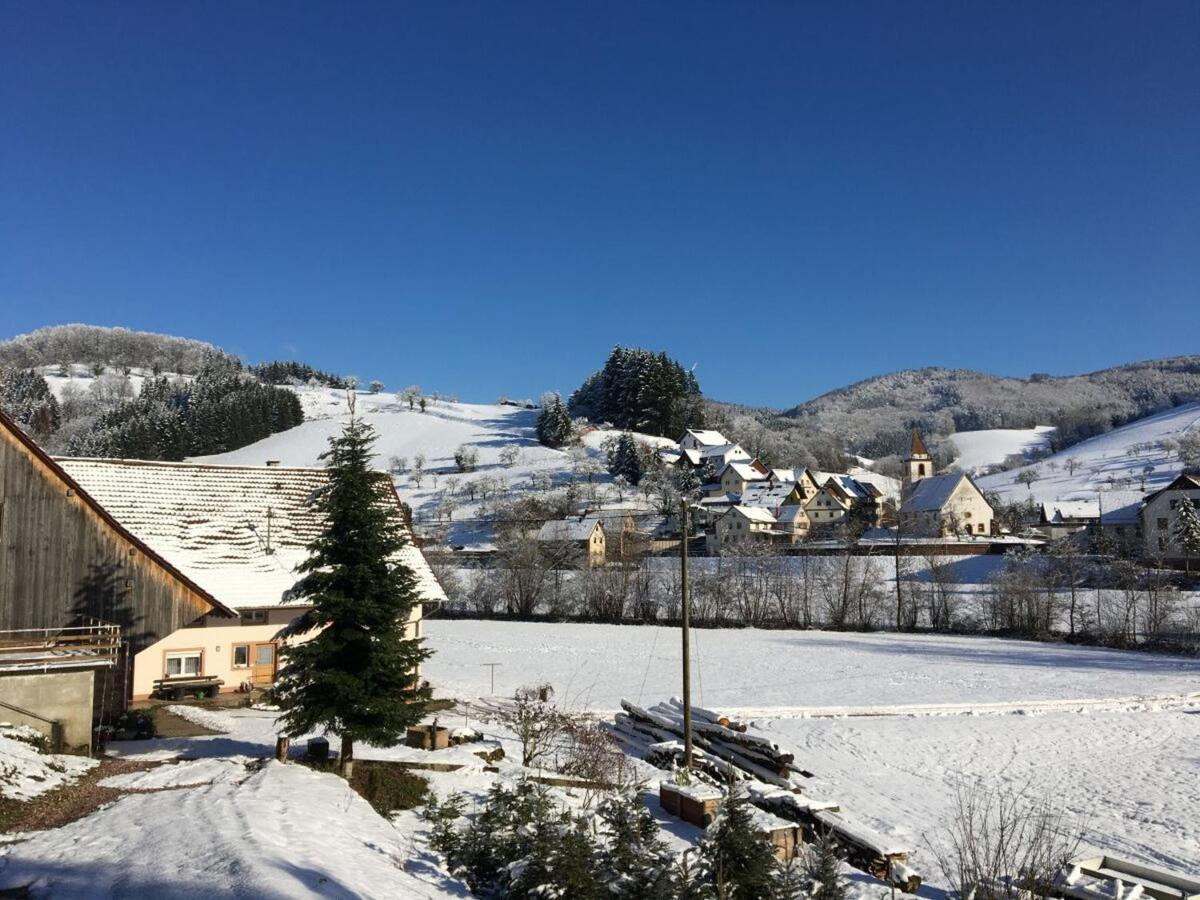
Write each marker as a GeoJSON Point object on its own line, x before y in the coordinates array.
{"type": "Point", "coordinates": [1160, 516]}
{"type": "Point", "coordinates": [699, 439]}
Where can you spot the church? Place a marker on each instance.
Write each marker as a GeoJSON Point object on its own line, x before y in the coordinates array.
{"type": "Point", "coordinates": [944, 506]}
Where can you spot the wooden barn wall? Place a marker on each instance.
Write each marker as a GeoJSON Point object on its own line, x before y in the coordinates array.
{"type": "Point", "coordinates": [61, 562]}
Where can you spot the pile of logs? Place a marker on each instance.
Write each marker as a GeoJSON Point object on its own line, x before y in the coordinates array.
{"type": "Point", "coordinates": [729, 752]}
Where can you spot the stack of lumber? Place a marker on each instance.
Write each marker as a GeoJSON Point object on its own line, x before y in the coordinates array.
{"type": "Point", "coordinates": [730, 752]}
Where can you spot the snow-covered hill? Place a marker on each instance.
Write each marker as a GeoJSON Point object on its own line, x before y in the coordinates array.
{"type": "Point", "coordinates": [980, 450]}
{"type": "Point", "coordinates": [1128, 458]}
{"type": "Point", "coordinates": [436, 434]}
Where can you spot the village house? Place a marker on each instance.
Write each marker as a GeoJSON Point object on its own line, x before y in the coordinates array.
{"type": "Point", "coordinates": [241, 532]}
{"type": "Point", "coordinates": [565, 537]}
{"type": "Point", "coordinates": [719, 457]}
{"type": "Point", "coordinates": [737, 475]}
{"type": "Point", "coordinates": [744, 523]}
{"type": "Point", "coordinates": [1063, 518]}
{"type": "Point", "coordinates": [840, 499]}
{"type": "Point", "coordinates": [771, 495]}
{"type": "Point", "coordinates": [1160, 517]}
{"type": "Point", "coordinates": [792, 523]}
{"type": "Point", "coordinates": [1121, 520]}
{"type": "Point", "coordinates": [700, 439]}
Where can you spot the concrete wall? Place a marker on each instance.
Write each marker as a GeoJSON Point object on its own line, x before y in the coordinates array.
{"type": "Point", "coordinates": [65, 696]}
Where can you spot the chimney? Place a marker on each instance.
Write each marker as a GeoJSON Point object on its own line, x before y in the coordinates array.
{"type": "Point", "coordinates": [272, 463]}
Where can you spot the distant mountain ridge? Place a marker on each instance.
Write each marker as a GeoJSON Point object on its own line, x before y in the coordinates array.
{"type": "Point", "coordinates": [873, 416]}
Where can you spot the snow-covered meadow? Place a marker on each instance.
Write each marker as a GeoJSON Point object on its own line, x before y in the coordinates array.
{"type": "Point", "coordinates": [891, 725]}
{"type": "Point", "coordinates": [1131, 456]}
{"type": "Point", "coordinates": [406, 433]}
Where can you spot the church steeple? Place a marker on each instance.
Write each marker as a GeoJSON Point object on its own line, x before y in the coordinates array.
{"type": "Point", "coordinates": [918, 464]}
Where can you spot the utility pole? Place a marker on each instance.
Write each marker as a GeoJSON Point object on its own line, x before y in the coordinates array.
{"type": "Point", "coordinates": [687, 673]}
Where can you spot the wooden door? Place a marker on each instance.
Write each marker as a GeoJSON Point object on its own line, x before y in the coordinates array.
{"type": "Point", "coordinates": [262, 664]}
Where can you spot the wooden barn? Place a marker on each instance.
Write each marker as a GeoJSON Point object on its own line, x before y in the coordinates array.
{"type": "Point", "coordinates": [67, 569]}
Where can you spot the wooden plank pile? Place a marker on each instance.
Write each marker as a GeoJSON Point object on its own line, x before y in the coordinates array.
{"type": "Point", "coordinates": [729, 752]}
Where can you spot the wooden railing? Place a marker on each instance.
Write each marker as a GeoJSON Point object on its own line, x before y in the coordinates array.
{"type": "Point", "coordinates": [43, 649]}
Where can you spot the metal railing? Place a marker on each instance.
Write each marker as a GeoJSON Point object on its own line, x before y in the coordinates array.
{"type": "Point", "coordinates": [43, 649]}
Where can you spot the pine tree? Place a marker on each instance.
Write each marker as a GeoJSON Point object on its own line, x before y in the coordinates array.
{"type": "Point", "coordinates": [625, 460]}
{"type": "Point", "coordinates": [824, 870]}
{"type": "Point", "coordinates": [358, 675]}
{"type": "Point", "coordinates": [739, 856]}
{"type": "Point", "coordinates": [635, 863]}
{"type": "Point", "coordinates": [1187, 531]}
{"type": "Point", "coordinates": [554, 425]}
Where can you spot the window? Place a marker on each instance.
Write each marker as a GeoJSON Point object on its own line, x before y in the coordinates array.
{"type": "Point", "coordinates": [241, 656]}
{"type": "Point", "coordinates": [183, 663]}
{"type": "Point", "coordinates": [921, 468]}
{"type": "Point", "coordinates": [1162, 524]}
{"type": "Point", "coordinates": [1174, 503]}
{"type": "Point", "coordinates": [981, 528]}
{"type": "Point", "coordinates": [254, 617]}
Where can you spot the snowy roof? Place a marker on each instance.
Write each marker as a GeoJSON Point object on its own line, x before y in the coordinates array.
{"type": "Point", "coordinates": [1064, 510]}
{"type": "Point", "coordinates": [791, 513]}
{"type": "Point", "coordinates": [722, 450]}
{"type": "Point", "coordinates": [568, 530]}
{"type": "Point", "coordinates": [706, 438]}
{"type": "Point", "coordinates": [931, 494]}
{"type": "Point", "coordinates": [755, 514]}
{"type": "Point", "coordinates": [745, 471]}
{"type": "Point", "coordinates": [237, 531]}
{"type": "Point", "coordinates": [853, 488]}
{"type": "Point", "coordinates": [1120, 507]}
{"type": "Point", "coordinates": [767, 495]}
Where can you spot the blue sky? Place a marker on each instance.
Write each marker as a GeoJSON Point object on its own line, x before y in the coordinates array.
{"type": "Point", "coordinates": [485, 197]}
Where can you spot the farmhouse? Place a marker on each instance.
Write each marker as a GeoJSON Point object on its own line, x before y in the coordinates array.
{"type": "Point", "coordinates": [1160, 519]}
{"type": "Point", "coordinates": [744, 523]}
{"type": "Point", "coordinates": [80, 595]}
{"type": "Point", "coordinates": [563, 537]}
{"type": "Point", "coordinates": [839, 498]}
{"type": "Point", "coordinates": [1066, 517]}
{"type": "Point", "coordinates": [240, 532]}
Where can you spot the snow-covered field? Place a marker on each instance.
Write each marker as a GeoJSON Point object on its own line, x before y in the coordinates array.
{"type": "Point", "coordinates": [979, 450]}
{"type": "Point", "coordinates": [891, 724]}
{"type": "Point", "coordinates": [1106, 462]}
{"type": "Point", "coordinates": [436, 434]}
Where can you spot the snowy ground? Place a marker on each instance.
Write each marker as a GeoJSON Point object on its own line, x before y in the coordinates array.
{"type": "Point", "coordinates": [887, 724]}
{"type": "Point", "coordinates": [979, 450]}
{"type": "Point", "coordinates": [25, 772]}
{"type": "Point", "coordinates": [437, 433]}
{"type": "Point", "coordinates": [891, 724]}
{"type": "Point", "coordinates": [1106, 462]}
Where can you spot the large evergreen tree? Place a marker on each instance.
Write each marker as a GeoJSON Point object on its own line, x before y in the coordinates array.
{"type": "Point", "coordinates": [1187, 531]}
{"type": "Point", "coordinates": [639, 390]}
{"type": "Point", "coordinates": [625, 460]}
{"type": "Point", "coordinates": [26, 397]}
{"type": "Point", "coordinates": [358, 675]}
{"type": "Point", "coordinates": [554, 426]}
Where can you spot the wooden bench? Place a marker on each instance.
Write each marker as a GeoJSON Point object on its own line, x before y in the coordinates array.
{"type": "Point", "coordinates": [178, 688]}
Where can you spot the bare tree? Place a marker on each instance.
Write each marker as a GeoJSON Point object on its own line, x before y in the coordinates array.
{"type": "Point", "coordinates": [539, 725]}
{"type": "Point", "coordinates": [999, 847]}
